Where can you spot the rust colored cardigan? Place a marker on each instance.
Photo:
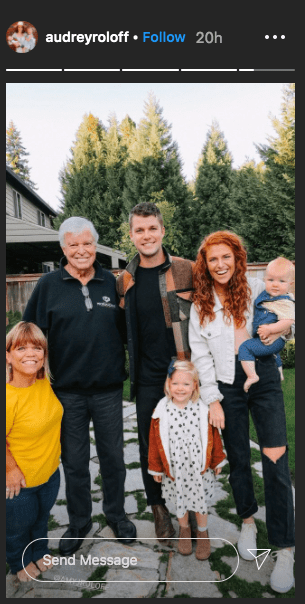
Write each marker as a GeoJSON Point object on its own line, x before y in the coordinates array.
{"type": "Point", "coordinates": [158, 461]}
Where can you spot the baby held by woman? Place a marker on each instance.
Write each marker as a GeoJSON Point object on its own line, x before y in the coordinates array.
{"type": "Point", "coordinates": [274, 311]}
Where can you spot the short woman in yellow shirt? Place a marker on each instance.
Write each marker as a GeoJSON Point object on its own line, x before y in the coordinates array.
{"type": "Point", "coordinates": [32, 449]}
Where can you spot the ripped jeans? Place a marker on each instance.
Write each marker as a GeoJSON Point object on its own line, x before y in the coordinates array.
{"type": "Point", "coordinates": [266, 404]}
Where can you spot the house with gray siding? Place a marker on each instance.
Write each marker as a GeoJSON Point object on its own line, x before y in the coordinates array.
{"type": "Point", "coordinates": [32, 244]}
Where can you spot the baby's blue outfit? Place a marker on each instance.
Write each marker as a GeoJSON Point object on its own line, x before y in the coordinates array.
{"type": "Point", "coordinates": [250, 349]}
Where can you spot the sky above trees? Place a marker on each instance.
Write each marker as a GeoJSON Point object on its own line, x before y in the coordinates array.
{"type": "Point", "coordinates": [49, 115]}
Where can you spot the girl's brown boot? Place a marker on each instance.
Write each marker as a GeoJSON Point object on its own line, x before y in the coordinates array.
{"type": "Point", "coordinates": [185, 542]}
{"type": "Point", "coordinates": [203, 549]}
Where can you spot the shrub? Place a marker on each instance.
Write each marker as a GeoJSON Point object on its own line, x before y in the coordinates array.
{"type": "Point", "coordinates": [13, 319]}
{"type": "Point", "coordinates": [288, 354]}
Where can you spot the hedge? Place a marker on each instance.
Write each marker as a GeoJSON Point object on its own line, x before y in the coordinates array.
{"type": "Point", "coordinates": [288, 354]}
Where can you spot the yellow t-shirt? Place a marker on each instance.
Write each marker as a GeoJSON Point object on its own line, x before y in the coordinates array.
{"type": "Point", "coordinates": [33, 420]}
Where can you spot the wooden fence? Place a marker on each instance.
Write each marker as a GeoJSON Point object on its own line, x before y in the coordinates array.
{"type": "Point", "coordinates": [20, 287]}
{"type": "Point", "coordinates": [258, 270]}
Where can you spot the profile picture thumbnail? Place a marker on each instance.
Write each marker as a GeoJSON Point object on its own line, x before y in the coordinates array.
{"type": "Point", "coordinates": [22, 36]}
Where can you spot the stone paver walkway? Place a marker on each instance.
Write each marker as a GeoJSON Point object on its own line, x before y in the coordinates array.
{"type": "Point", "coordinates": [147, 568]}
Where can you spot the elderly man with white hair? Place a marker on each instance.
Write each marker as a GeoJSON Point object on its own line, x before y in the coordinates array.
{"type": "Point", "coordinates": [77, 307]}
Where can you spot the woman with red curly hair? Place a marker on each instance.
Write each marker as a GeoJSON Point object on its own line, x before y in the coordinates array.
{"type": "Point", "coordinates": [220, 321]}
{"type": "Point", "coordinates": [19, 36]}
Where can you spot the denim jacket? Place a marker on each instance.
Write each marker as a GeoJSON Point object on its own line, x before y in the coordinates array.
{"type": "Point", "coordinates": [213, 346]}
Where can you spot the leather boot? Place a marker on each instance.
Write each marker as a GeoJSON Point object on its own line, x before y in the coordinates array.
{"type": "Point", "coordinates": [163, 524]}
{"type": "Point", "coordinates": [185, 542]}
{"type": "Point", "coordinates": [203, 549]}
{"type": "Point", "coordinates": [73, 538]}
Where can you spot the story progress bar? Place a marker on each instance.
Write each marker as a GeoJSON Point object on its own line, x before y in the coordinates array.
{"type": "Point", "coordinates": [156, 69]}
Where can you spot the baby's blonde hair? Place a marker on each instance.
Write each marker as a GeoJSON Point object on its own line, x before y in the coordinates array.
{"type": "Point", "coordinates": [284, 265]}
{"type": "Point", "coordinates": [188, 367]}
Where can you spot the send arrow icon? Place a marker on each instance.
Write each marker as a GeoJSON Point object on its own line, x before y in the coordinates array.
{"type": "Point", "coordinates": [263, 555]}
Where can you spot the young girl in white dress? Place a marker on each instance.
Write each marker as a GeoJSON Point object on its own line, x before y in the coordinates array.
{"type": "Point", "coordinates": [184, 452]}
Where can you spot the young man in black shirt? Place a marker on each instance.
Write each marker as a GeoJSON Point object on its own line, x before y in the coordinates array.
{"type": "Point", "coordinates": [156, 292]}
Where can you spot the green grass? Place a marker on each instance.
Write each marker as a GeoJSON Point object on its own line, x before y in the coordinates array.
{"type": "Point", "coordinates": [164, 557]}
{"type": "Point", "coordinates": [98, 480]}
{"type": "Point", "coordinates": [52, 524]}
{"type": "Point", "coordinates": [133, 465]}
{"type": "Point", "coordinates": [141, 501]}
{"type": "Point", "coordinates": [97, 575]}
{"type": "Point", "coordinates": [101, 519]}
{"type": "Point", "coordinates": [126, 390]}
{"type": "Point", "coordinates": [131, 440]}
{"type": "Point", "coordinates": [54, 551]}
{"type": "Point", "coordinates": [142, 504]}
{"type": "Point", "coordinates": [288, 386]}
{"type": "Point", "coordinates": [241, 587]}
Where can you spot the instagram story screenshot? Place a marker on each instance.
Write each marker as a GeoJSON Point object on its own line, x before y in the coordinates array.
{"type": "Point", "coordinates": [150, 302]}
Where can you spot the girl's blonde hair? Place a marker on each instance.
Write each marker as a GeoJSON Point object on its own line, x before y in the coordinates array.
{"type": "Point", "coordinates": [24, 333]}
{"type": "Point", "coordinates": [188, 367]}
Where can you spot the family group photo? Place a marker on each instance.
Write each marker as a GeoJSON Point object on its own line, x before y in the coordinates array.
{"type": "Point", "coordinates": [22, 37]}
{"type": "Point", "coordinates": [150, 347]}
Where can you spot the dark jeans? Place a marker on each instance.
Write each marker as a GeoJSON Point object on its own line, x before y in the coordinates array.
{"type": "Point", "coordinates": [106, 411]}
{"type": "Point", "coordinates": [27, 516]}
{"type": "Point", "coordinates": [266, 404]}
{"type": "Point", "coordinates": [147, 398]}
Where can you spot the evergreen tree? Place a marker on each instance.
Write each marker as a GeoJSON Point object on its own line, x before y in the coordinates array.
{"type": "Point", "coordinates": [253, 216]}
{"type": "Point", "coordinates": [16, 155]}
{"type": "Point", "coordinates": [180, 195]}
{"type": "Point", "coordinates": [128, 134]}
{"type": "Point", "coordinates": [147, 155]}
{"type": "Point", "coordinates": [116, 154]}
{"type": "Point", "coordinates": [212, 186]}
{"type": "Point", "coordinates": [279, 155]}
{"type": "Point", "coordinates": [279, 158]}
{"type": "Point", "coordinates": [90, 144]}
{"type": "Point", "coordinates": [83, 178]}
{"type": "Point", "coordinates": [93, 179]}
{"type": "Point", "coordinates": [88, 148]}
{"type": "Point", "coordinates": [154, 171]}
{"type": "Point", "coordinates": [154, 136]}
{"type": "Point", "coordinates": [84, 196]}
